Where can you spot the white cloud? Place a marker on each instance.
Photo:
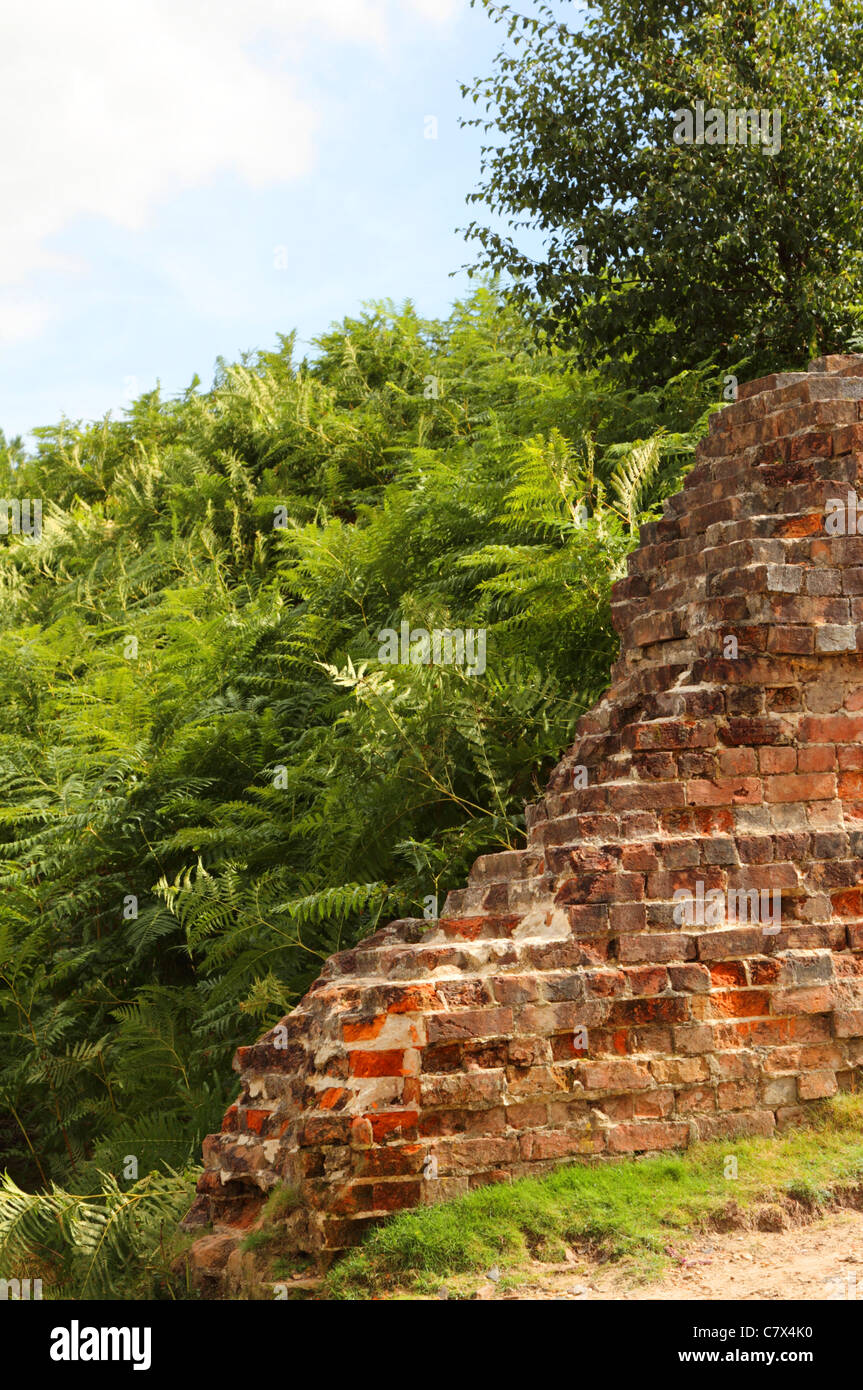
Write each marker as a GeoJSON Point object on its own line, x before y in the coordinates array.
{"type": "Point", "coordinates": [21, 319]}
{"type": "Point", "coordinates": [107, 108]}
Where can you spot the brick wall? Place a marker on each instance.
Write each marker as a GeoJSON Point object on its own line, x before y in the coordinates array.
{"type": "Point", "coordinates": [566, 1004]}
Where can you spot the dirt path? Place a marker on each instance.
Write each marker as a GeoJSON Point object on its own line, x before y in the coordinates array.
{"type": "Point", "coordinates": [822, 1260]}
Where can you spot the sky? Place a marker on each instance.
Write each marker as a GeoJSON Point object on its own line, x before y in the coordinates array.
{"type": "Point", "coordinates": [183, 179]}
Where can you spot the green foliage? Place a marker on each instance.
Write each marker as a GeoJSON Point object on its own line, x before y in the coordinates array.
{"type": "Point", "coordinates": [112, 1243]}
{"type": "Point", "coordinates": [658, 255]}
{"type": "Point", "coordinates": [211, 779]}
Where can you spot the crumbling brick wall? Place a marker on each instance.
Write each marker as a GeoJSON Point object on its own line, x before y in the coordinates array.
{"type": "Point", "coordinates": [567, 1004]}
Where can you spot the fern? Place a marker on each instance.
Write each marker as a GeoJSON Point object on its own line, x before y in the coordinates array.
{"type": "Point", "coordinates": [165, 893]}
{"type": "Point", "coordinates": [99, 1245]}
{"type": "Point", "coordinates": [635, 468]}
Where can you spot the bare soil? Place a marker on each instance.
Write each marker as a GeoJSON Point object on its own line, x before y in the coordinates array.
{"type": "Point", "coordinates": [820, 1260]}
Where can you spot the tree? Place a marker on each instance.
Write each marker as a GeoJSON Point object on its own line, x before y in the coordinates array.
{"type": "Point", "coordinates": [658, 253]}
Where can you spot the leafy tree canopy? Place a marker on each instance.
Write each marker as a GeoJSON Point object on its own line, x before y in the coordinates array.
{"type": "Point", "coordinates": [658, 254]}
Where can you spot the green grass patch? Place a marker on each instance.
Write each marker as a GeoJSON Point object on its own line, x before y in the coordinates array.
{"type": "Point", "coordinates": [611, 1211]}
{"type": "Point", "coordinates": [280, 1203]}
{"type": "Point", "coordinates": [271, 1233]}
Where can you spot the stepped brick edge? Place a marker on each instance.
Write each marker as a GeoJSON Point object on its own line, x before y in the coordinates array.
{"type": "Point", "coordinates": [566, 1006]}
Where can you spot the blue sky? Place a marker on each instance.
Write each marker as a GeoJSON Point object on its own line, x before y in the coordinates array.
{"type": "Point", "coordinates": [162, 161]}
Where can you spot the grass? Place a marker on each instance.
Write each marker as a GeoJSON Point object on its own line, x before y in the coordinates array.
{"type": "Point", "coordinates": [280, 1203]}
{"type": "Point", "coordinates": [624, 1210]}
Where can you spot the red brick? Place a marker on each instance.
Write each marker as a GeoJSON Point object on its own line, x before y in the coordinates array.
{"type": "Point", "coordinates": [471, 1155]}
{"type": "Point", "coordinates": [254, 1120]}
{"type": "Point", "coordinates": [325, 1129]}
{"type": "Point", "coordinates": [692, 978]}
{"type": "Point", "coordinates": [330, 1098]}
{"type": "Point", "coordinates": [514, 989]}
{"type": "Point", "coordinates": [695, 1100]}
{"type": "Point", "coordinates": [780, 760]}
{"type": "Point", "coordinates": [724, 945]}
{"type": "Point", "coordinates": [741, 1125]}
{"type": "Point", "coordinates": [848, 904]}
{"type": "Point", "coordinates": [637, 1138]}
{"type": "Point", "coordinates": [740, 1003]}
{"type": "Point", "coordinates": [816, 999]}
{"type": "Point", "coordinates": [364, 1031]}
{"type": "Point", "coordinates": [812, 1085]}
{"type": "Point", "coordinates": [693, 1040]}
{"type": "Point", "coordinates": [819, 758]}
{"type": "Point", "coordinates": [831, 728]}
{"type": "Point", "coordinates": [605, 983]}
{"type": "Point", "coordinates": [395, 1196]}
{"type": "Point", "coordinates": [739, 762]}
{"type": "Point", "coordinates": [802, 787]}
{"type": "Point", "coordinates": [558, 1143]}
{"type": "Point", "coordinates": [626, 1012]}
{"type": "Point", "coordinates": [724, 791]}
{"type": "Point", "coordinates": [647, 980]}
{"type": "Point", "coordinates": [469, 1023]}
{"type": "Point", "coordinates": [527, 1115]}
{"type": "Point", "coordinates": [656, 946]}
{"type": "Point", "coordinates": [736, 1095]}
{"type": "Point", "coordinates": [391, 1161]}
{"type": "Point", "coordinates": [614, 1076]}
{"type": "Point", "coordinates": [729, 972]}
{"type": "Point", "coordinates": [849, 1023]}
{"type": "Point", "coordinates": [384, 1063]}
{"type": "Point", "coordinates": [764, 972]}
{"type": "Point", "coordinates": [395, 1122]}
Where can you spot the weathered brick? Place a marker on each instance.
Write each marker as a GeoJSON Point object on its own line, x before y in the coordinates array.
{"type": "Point", "coordinates": [849, 1023]}
{"type": "Point", "coordinates": [680, 1071]}
{"type": "Point", "coordinates": [724, 945]}
{"type": "Point", "coordinates": [626, 1012]}
{"type": "Point", "coordinates": [740, 1003]}
{"type": "Point", "coordinates": [471, 1088]}
{"type": "Point", "coordinates": [469, 1023]}
{"type": "Point", "coordinates": [697, 1038]}
{"type": "Point", "coordinates": [779, 1090]}
{"type": "Point", "coordinates": [812, 1085]}
{"type": "Point", "coordinates": [377, 1063]}
{"type": "Point", "coordinates": [646, 1136]}
{"type": "Point", "coordinates": [817, 999]}
{"type": "Point", "coordinates": [800, 787]}
{"type": "Point", "coordinates": [736, 1125]}
{"type": "Point", "coordinates": [693, 978]}
{"type": "Point", "coordinates": [614, 1076]}
{"type": "Point", "coordinates": [695, 1100]}
{"type": "Point", "coordinates": [656, 946]}
{"type": "Point", "coordinates": [561, 1143]}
